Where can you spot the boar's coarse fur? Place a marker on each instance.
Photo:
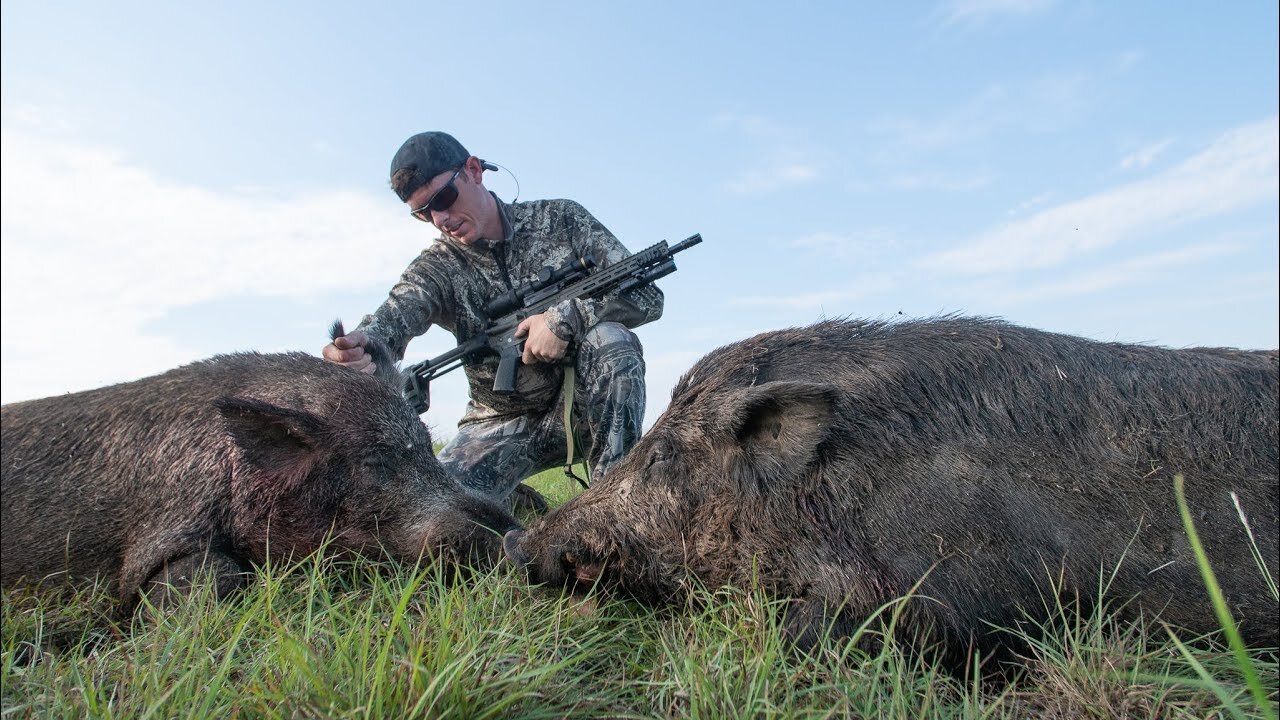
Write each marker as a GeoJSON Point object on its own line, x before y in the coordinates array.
{"type": "Point", "coordinates": [206, 467]}
{"type": "Point", "coordinates": [1010, 468]}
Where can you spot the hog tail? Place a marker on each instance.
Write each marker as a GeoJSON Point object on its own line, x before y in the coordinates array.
{"type": "Point", "coordinates": [336, 330]}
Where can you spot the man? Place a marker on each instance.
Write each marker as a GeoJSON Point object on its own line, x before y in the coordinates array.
{"type": "Point", "coordinates": [486, 248]}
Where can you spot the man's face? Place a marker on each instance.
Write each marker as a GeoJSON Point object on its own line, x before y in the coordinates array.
{"type": "Point", "coordinates": [461, 220]}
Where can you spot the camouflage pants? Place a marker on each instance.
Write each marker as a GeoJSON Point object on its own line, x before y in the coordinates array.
{"type": "Point", "coordinates": [493, 456]}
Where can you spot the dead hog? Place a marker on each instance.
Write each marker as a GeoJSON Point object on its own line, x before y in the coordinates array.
{"type": "Point", "coordinates": [215, 465]}
{"type": "Point", "coordinates": [842, 463]}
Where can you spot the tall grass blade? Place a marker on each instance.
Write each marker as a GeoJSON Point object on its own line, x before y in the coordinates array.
{"type": "Point", "coordinates": [1228, 624]}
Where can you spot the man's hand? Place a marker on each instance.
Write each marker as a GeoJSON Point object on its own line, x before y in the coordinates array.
{"type": "Point", "coordinates": [349, 350]}
{"type": "Point", "coordinates": [540, 344]}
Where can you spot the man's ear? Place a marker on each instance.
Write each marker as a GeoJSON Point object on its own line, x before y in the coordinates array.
{"type": "Point", "coordinates": [779, 426]}
{"type": "Point", "coordinates": [474, 170]}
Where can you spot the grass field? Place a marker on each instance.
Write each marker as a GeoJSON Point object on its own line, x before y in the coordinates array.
{"type": "Point", "coordinates": [359, 639]}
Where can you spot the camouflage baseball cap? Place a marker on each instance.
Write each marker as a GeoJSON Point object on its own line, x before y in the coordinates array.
{"type": "Point", "coordinates": [426, 155]}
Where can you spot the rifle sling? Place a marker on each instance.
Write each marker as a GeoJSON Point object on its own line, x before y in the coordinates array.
{"type": "Point", "coordinates": [568, 429]}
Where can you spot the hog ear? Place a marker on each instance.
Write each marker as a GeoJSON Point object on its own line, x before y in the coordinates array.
{"type": "Point", "coordinates": [281, 444]}
{"type": "Point", "coordinates": [779, 425]}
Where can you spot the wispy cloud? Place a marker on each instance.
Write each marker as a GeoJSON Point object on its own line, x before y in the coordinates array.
{"type": "Point", "coordinates": [974, 118]}
{"type": "Point", "coordinates": [1129, 59]}
{"type": "Point", "coordinates": [1046, 102]}
{"type": "Point", "coordinates": [1131, 271]}
{"type": "Point", "coordinates": [978, 12]}
{"type": "Point", "coordinates": [937, 180]}
{"type": "Point", "coordinates": [756, 126]}
{"type": "Point", "coordinates": [784, 156]}
{"type": "Point", "coordinates": [1238, 170]}
{"type": "Point", "coordinates": [95, 247]}
{"type": "Point", "coordinates": [856, 288]}
{"type": "Point", "coordinates": [1031, 203]}
{"type": "Point", "coordinates": [771, 178]}
{"type": "Point", "coordinates": [1144, 156]}
{"type": "Point", "coordinates": [862, 243]}
{"type": "Point", "coordinates": [29, 115]}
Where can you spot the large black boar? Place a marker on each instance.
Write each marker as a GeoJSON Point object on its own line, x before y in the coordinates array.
{"type": "Point", "coordinates": [211, 466]}
{"type": "Point", "coordinates": [843, 462]}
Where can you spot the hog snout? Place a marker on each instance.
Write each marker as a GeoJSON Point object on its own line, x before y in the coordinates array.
{"type": "Point", "coordinates": [470, 532]}
{"type": "Point", "coordinates": [511, 548]}
{"type": "Point", "coordinates": [558, 567]}
{"type": "Point", "coordinates": [536, 565]}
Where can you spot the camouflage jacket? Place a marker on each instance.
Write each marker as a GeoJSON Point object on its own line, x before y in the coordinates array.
{"type": "Point", "coordinates": [449, 283]}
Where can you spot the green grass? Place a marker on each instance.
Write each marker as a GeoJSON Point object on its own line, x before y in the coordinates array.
{"type": "Point", "coordinates": [358, 639]}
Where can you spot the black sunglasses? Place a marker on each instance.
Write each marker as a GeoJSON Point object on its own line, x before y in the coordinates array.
{"type": "Point", "coordinates": [442, 200]}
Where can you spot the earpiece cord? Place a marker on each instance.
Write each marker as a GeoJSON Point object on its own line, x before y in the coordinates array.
{"type": "Point", "coordinates": [488, 165]}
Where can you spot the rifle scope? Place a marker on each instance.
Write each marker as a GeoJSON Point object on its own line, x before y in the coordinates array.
{"type": "Point", "coordinates": [547, 276]}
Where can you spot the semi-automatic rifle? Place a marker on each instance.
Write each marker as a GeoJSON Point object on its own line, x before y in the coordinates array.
{"type": "Point", "coordinates": [572, 280]}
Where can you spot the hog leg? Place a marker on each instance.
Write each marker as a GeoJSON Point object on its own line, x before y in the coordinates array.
{"type": "Point", "coordinates": [180, 575]}
{"type": "Point", "coordinates": [807, 622]}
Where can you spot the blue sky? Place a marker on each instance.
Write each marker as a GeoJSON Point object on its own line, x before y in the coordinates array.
{"type": "Point", "coordinates": [186, 179]}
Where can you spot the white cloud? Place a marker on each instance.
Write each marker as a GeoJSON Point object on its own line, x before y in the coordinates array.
{"type": "Point", "coordinates": [1047, 101]}
{"type": "Point", "coordinates": [1238, 170]}
{"type": "Point", "coordinates": [1129, 59]}
{"type": "Point", "coordinates": [771, 178]}
{"type": "Point", "coordinates": [979, 116]}
{"type": "Point", "coordinates": [784, 155]}
{"type": "Point", "coordinates": [1131, 271]}
{"type": "Point", "coordinates": [95, 247]}
{"type": "Point", "coordinates": [751, 125]}
{"type": "Point", "coordinates": [935, 180]}
{"type": "Point", "coordinates": [1034, 202]}
{"type": "Point", "coordinates": [35, 116]}
{"type": "Point", "coordinates": [863, 243]}
{"type": "Point", "coordinates": [1145, 156]}
{"type": "Point", "coordinates": [978, 12]}
{"type": "Point", "coordinates": [856, 289]}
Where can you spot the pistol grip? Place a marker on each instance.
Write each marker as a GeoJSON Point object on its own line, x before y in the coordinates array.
{"type": "Point", "coordinates": [508, 361]}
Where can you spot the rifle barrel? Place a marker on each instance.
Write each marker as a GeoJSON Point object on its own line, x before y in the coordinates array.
{"type": "Point", "coordinates": [686, 243]}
